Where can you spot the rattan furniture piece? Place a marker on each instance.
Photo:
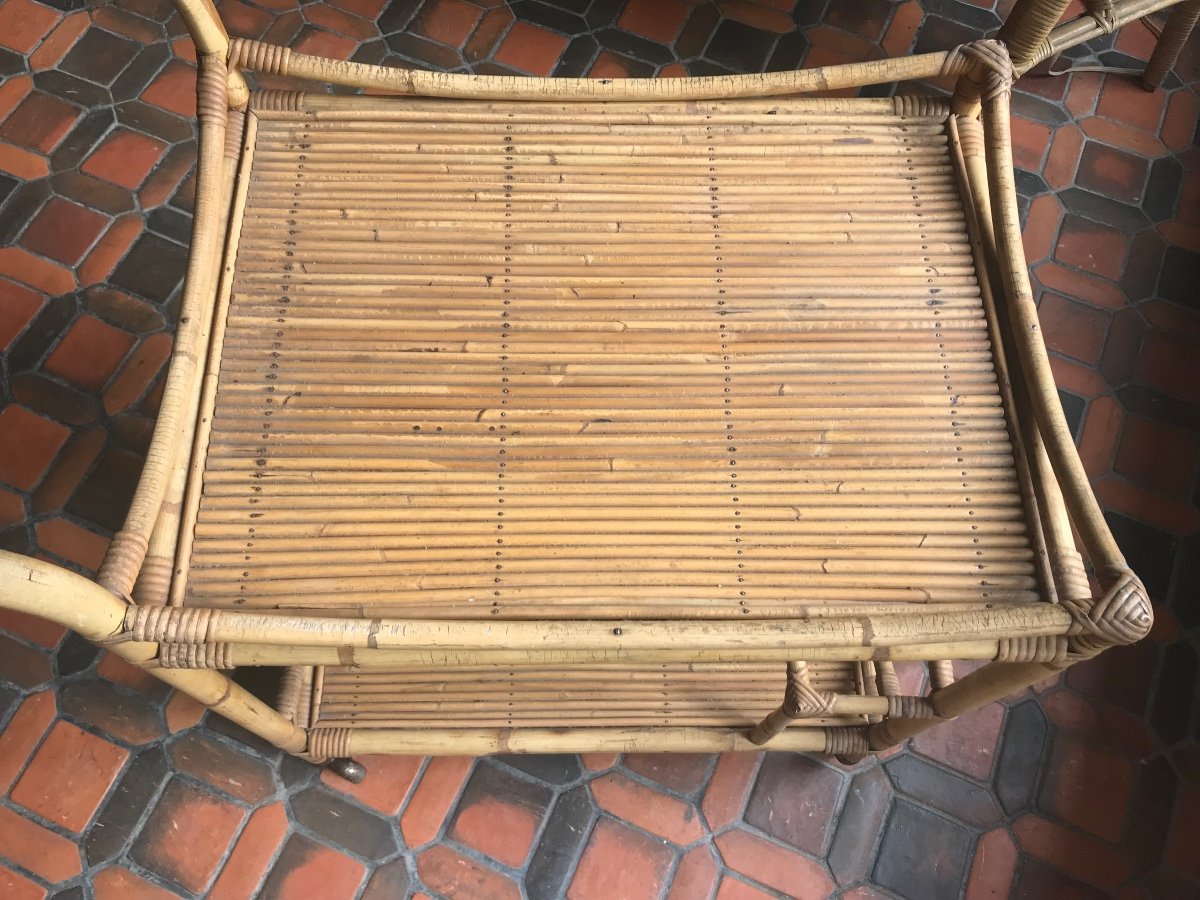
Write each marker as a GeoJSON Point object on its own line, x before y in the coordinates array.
{"type": "Point", "coordinates": [535, 415]}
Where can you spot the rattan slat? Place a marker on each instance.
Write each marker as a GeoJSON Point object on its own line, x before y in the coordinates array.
{"type": "Point", "coordinates": [691, 360]}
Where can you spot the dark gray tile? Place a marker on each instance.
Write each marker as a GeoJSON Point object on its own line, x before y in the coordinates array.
{"type": "Point", "coordinates": [1149, 551]}
{"type": "Point", "coordinates": [561, 842]}
{"type": "Point", "coordinates": [740, 47]}
{"type": "Point", "coordinates": [389, 882]}
{"type": "Point", "coordinates": [125, 806]}
{"type": "Point", "coordinates": [953, 795]}
{"type": "Point", "coordinates": [1180, 278]}
{"type": "Point", "coordinates": [99, 56]}
{"type": "Point", "coordinates": [858, 826]}
{"type": "Point", "coordinates": [1175, 693]}
{"type": "Point", "coordinates": [1162, 189]}
{"type": "Point", "coordinates": [343, 823]}
{"type": "Point", "coordinates": [152, 269]}
{"type": "Point", "coordinates": [1103, 209]}
{"type": "Point", "coordinates": [553, 768]}
{"type": "Point", "coordinates": [1022, 750]}
{"type": "Point", "coordinates": [1073, 407]}
{"type": "Point", "coordinates": [549, 15]}
{"type": "Point", "coordinates": [922, 854]}
{"type": "Point", "coordinates": [1185, 586]}
{"type": "Point", "coordinates": [793, 800]}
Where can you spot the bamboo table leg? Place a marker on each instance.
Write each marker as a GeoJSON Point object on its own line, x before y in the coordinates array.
{"type": "Point", "coordinates": [1174, 35]}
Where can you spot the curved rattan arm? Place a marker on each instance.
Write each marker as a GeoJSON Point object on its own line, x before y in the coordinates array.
{"type": "Point", "coordinates": [1123, 613]}
{"type": "Point", "coordinates": [42, 589]}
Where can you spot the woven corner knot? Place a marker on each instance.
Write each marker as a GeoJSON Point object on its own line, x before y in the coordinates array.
{"type": "Point", "coordinates": [1103, 12]}
{"type": "Point", "coordinates": [993, 67]}
{"type": "Point", "coordinates": [1123, 615]}
{"type": "Point", "coordinates": [801, 700]}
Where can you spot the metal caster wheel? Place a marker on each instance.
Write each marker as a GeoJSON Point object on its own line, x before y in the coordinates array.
{"type": "Point", "coordinates": [350, 769]}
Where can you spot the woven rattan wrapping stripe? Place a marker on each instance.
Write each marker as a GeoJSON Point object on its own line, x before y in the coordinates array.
{"type": "Point", "coordinates": [677, 694]}
{"type": "Point", "coordinates": [698, 360]}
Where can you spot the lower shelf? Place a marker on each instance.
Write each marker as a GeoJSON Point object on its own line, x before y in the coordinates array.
{"type": "Point", "coordinates": [609, 696]}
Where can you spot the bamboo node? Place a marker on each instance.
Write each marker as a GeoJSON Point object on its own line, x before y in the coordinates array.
{"type": "Point", "coordinates": [900, 707]}
{"type": "Point", "coordinates": [1046, 648]}
{"type": "Point", "coordinates": [196, 656]}
{"type": "Point", "coordinates": [259, 57]}
{"type": "Point", "coordinates": [324, 743]}
{"type": "Point", "coordinates": [1122, 616]}
{"type": "Point", "coordinates": [169, 624]}
{"type": "Point", "coordinates": [846, 741]}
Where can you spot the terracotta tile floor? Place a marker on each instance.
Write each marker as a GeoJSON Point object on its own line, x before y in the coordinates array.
{"type": "Point", "coordinates": [1086, 787]}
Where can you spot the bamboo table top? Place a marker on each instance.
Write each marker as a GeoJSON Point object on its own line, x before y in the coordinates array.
{"type": "Point", "coordinates": [680, 360]}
